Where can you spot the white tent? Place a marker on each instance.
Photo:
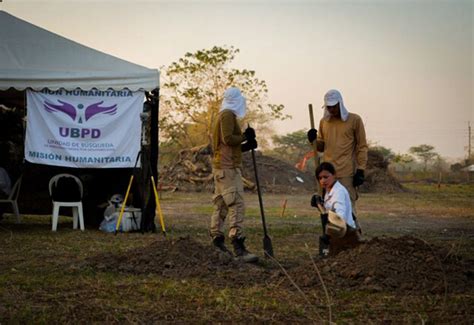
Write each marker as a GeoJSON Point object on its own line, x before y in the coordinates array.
{"type": "Point", "coordinates": [32, 57]}
{"type": "Point", "coordinates": [469, 168]}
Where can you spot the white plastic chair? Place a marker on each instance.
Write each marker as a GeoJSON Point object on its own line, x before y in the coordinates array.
{"type": "Point", "coordinates": [77, 212]}
{"type": "Point", "coordinates": [13, 199]}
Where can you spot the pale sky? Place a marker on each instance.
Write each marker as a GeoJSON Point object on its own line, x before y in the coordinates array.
{"type": "Point", "coordinates": [406, 67]}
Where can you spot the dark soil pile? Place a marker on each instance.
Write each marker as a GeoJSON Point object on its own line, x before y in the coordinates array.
{"type": "Point", "coordinates": [277, 176]}
{"type": "Point", "coordinates": [377, 176]}
{"type": "Point", "coordinates": [405, 264]}
{"type": "Point", "coordinates": [392, 264]}
{"type": "Point", "coordinates": [192, 171]}
{"type": "Point", "coordinates": [181, 258]}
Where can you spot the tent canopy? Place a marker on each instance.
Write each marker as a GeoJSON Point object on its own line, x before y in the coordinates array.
{"type": "Point", "coordinates": [32, 57]}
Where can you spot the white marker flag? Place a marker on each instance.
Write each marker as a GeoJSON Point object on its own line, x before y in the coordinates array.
{"type": "Point", "coordinates": [83, 128]}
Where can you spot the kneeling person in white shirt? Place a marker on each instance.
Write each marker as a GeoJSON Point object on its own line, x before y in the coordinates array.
{"type": "Point", "coordinates": [340, 223]}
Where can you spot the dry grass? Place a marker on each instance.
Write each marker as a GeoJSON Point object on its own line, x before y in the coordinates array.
{"type": "Point", "coordinates": [43, 278]}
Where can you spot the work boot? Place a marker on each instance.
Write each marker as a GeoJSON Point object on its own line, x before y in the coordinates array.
{"type": "Point", "coordinates": [323, 247]}
{"type": "Point", "coordinates": [241, 252]}
{"type": "Point", "coordinates": [218, 242]}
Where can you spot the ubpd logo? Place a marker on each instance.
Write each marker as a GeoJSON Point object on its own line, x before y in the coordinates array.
{"type": "Point", "coordinates": [79, 115]}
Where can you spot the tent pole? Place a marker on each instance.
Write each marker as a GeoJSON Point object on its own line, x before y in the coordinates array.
{"type": "Point", "coordinates": [154, 141]}
{"type": "Point", "coordinates": [150, 209]}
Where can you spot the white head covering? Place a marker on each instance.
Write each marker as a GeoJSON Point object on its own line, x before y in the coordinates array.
{"type": "Point", "coordinates": [234, 101]}
{"type": "Point", "coordinates": [331, 98]}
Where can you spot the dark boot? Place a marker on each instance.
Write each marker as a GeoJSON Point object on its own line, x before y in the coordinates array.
{"type": "Point", "coordinates": [218, 242]}
{"type": "Point", "coordinates": [323, 246]}
{"type": "Point", "coordinates": [241, 252]}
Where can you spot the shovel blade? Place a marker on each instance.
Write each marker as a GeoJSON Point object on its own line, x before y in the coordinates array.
{"type": "Point", "coordinates": [267, 246]}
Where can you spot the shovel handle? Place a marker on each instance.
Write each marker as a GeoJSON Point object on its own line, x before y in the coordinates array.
{"type": "Point", "coordinates": [262, 213]}
{"type": "Point", "coordinates": [158, 206]}
{"type": "Point", "coordinates": [314, 144]}
{"type": "Point", "coordinates": [122, 209]}
{"type": "Point", "coordinates": [311, 115]}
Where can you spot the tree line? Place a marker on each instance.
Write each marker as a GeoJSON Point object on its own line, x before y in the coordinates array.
{"type": "Point", "coordinates": [190, 100]}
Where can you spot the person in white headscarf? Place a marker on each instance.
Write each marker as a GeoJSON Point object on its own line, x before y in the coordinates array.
{"type": "Point", "coordinates": [342, 138]}
{"type": "Point", "coordinates": [228, 143]}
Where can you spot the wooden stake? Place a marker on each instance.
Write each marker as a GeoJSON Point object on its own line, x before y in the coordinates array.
{"type": "Point", "coordinates": [283, 208]}
{"type": "Point", "coordinates": [315, 146]}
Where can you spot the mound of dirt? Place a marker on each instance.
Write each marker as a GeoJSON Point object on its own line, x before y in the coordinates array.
{"type": "Point", "coordinates": [180, 258]}
{"type": "Point", "coordinates": [377, 176]}
{"type": "Point", "coordinates": [392, 264]}
{"type": "Point", "coordinates": [192, 171]}
{"type": "Point", "coordinates": [275, 175]}
{"type": "Point", "coordinates": [405, 264]}
{"type": "Point", "coordinates": [380, 181]}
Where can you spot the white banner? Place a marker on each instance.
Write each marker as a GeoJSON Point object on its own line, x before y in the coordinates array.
{"type": "Point", "coordinates": [83, 128]}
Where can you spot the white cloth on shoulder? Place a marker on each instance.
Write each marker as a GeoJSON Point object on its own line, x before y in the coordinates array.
{"type": "Point", "coordinates": [234, 101]}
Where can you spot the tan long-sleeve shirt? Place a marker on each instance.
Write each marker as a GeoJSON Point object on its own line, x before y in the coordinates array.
{"type": "Point", "coordinates": [344, 143]}
{"type": "Point", "coordinates": [226, 140]}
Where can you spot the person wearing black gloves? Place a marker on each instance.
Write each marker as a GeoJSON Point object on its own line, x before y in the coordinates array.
{"type": "Point", "coordinates": [228, 143]}
{"type": "Point", "coordinates": [341, 138]}
{"type": "Point", "coordinates": [250, 140]}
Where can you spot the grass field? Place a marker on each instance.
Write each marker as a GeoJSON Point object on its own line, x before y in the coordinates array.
{"type": "Point", "coordinates": [45, 276]}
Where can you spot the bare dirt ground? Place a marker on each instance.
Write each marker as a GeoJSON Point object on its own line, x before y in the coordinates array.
{"type": "Point", "coordinates": [416, 266]}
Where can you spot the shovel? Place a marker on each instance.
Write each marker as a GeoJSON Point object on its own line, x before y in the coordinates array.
{"type": "Point", "coordinates": [315, 147]}
{"type": "Point", "coordinates": [122, 209]}
{"type": "Point", "coordinates": [267, 242]}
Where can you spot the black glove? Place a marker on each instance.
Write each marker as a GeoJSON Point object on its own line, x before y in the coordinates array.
{"type": "Point", "coordinates": [312, 135]}
{"type": "Point", "coordinates": [359, 178]}
{"type": "Point", "coordinates": [249, 134]}
{"type": "Point", "coordinates": [249, 145]}
{"type": "Point", "coordinates": [316, 199]}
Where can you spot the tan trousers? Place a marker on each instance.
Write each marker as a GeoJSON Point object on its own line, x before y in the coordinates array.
{"type": "Point", "coordinates": [228, 202]}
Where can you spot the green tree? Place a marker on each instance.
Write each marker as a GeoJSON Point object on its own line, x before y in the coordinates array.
{"type": "Point", "coordinates": [291, 147]}
{"type": "Point", "coordinates": [192, 94]}
{"type": "Point", "coordinates": [387, 153]}
{"type": "Point", "coordinates": [402, 158]}
{"type": "Point", "coordinates": [424, 152]}
{"type": "Point", "coordinates": [402, 162]}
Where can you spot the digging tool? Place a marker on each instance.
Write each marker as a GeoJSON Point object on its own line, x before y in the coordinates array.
{"type": "Point", "coordinates": [124, 203]}
{"type": "Point", "coordinates": [158, 206]}
{"type": "Point", "coordinates": [157, 200]}
{"type": "Point", "coordinates": [314, 145]}
{"type": "Point", "coordinates": [323, 245]}
{"type": "Point", "coordinates": [267, 242]}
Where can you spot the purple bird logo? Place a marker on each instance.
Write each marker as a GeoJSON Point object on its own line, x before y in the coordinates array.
{"type": "Point", "coordinates": [65, 108]}
{"type": "Point", "coordinates": [79, 114]}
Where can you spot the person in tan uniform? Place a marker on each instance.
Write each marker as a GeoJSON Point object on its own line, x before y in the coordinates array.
{"type": "Point", "coordinates": [228, 143]}
{"type": "Point", "coordinates": [342, 139]}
